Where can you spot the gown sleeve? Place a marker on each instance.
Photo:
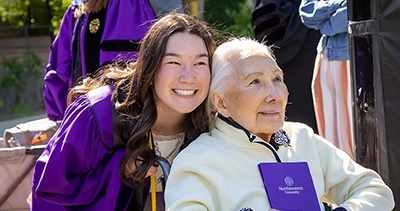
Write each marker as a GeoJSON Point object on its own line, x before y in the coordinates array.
{"type": "Point", "coordinates": [57, 75]}
{"type": "Point", "coordinates": [77, 166]}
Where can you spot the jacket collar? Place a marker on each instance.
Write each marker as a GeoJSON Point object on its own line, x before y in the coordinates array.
{"type": "Point", "coordinates": [250, 136]}
{"type": "Point", "coordinates": [279, 138]}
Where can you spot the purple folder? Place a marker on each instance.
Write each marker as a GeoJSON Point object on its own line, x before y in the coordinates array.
{"type": "Point", "coordinates": [289, 186]}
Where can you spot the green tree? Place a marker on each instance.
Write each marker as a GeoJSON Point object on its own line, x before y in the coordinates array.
{"type": "Point", "coordinates": [33, 13]}
{"type": "Point", "coordinates": [241, 21]}
{"type": "Point", "coordinates": [229, 16]}
{"type": "Point", "coordinates": [16, 70]}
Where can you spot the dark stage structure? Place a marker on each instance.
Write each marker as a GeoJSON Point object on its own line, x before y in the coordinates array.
{"type": "Point", "coordinates": [375, 64]}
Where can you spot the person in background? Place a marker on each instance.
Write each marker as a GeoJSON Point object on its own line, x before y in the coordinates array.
{"type": "Point", "coordinates": [331, 84]}
{"type": "Point", "coordinates": [116, 127]}
{"type": "Point", "coordinates": [92, 34]}
{"type": "Point", "coordinates": [277, 23]}
{"type": "Point", "coordinates": [219, 170]}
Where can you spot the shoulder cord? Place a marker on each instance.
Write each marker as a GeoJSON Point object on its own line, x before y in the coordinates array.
{"type": "Point", "coordinates": [152, 180]}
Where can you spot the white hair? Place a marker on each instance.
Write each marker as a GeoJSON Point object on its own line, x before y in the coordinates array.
{"type": "Point", "coordinates": [227, 55]}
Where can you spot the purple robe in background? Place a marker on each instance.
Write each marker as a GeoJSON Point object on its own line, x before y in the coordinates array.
{"type": "Point", "coordinates": [57, 79]}
{"type": "Point", "coordinates": [79, 168]}
{"type": "Point", "coordinates": [122, 22]}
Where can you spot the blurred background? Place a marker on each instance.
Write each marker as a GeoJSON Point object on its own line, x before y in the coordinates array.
{"type": "Point", "coordinates": [28, 27]}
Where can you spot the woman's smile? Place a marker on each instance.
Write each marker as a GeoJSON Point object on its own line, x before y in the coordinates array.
{"type": "Point", "coordinates": [185, 92]}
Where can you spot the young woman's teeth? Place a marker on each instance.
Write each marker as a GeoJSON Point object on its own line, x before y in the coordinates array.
{"type": "Point", "coordinates": [184, 92]}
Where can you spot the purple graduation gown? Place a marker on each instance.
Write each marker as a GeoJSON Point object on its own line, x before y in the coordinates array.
{"type": "Point", "coordinates": [79, 169]}
{"type": "Point", "coordinates": [125, 20]}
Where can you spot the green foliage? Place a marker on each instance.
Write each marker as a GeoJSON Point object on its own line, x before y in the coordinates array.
{"type": "Point", "coordinates": [21, 109]}
{"type": "Point", "coordinates": [13, 11]}
{"type": "Point", "coordinates": [229, 16]}
{"type": "Point", "coordinates": [58, 9]}
{"type": "Point", "coordinates": [33, 13]}
{"type": "Point", "coordinates": [15, 67]}
{"type": "Point", "coordinates": [241, 21]}
{"type": "Point", "coordinates": [13, 70]}
{"type": "Point", "coordinates": [215, 12]}
{"type": "Point", "coordinates": [13, 75]}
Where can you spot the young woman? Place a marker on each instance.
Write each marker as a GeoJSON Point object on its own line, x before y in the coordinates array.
{"type": "Point", "coordinates": [92, 34]}
{"type": "Point", "coordinates": [97, 162]}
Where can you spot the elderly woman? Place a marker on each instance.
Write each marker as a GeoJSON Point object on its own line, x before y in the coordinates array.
{"type": "Point", "coordinates": [219, 171]}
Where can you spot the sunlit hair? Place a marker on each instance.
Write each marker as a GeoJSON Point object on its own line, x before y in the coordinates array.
{"type": "Point", "coordinates": [90, 6]}
{"type": "Point", "coordinates": [227, 55]}
{"type": "Point", "coordinates": [134, 92]}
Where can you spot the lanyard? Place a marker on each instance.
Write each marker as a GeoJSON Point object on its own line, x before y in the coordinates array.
{"type": "Point", "coordinates": [152, 180]}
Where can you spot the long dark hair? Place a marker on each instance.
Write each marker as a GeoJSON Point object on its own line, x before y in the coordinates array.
{"type": "Point", "coordinates": [139, 105]}
{"type": "Point", "coordinates": [133, 93]}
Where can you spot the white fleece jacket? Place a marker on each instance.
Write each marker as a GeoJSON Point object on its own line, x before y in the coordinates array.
{"type": "Point", "coordinates": [219, 172]}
